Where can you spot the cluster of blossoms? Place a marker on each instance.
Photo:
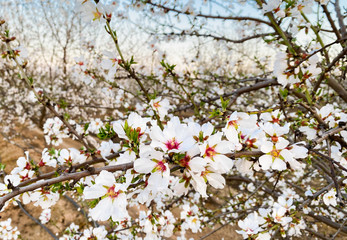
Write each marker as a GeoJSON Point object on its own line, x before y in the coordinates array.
{"type": "Point", "coordinates": [155, 226]}
{"type": "Point", "coordinates": [283, 9]}
{"type": "Point", "coordinates": [155, 159]}
{"type": "Point", "coordinates": [96, 12]}
{"type": "Point", "coordinates": [290, 71]}
{"type": "Point", "coordinates": [201, 152]}
{"type": "Point", "coordinates": [55, 131]}
{"type": "Point", "coordinates": [45, 216]}
{"type": "Point", "coordinates": [329, 114]}
{"type": "Point", "coordinates": [73, 233]}
{"type": "Point", "coordinates": [262, 224]}
{"type": "Point", "coordinates": [7, 232]}
{"type": "Point", "coordinates": [28, 169]}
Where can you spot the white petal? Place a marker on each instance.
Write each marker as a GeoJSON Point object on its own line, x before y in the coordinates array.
{"type": "Point", "coordinates": [265, 161]}
{"type": "Point", "coordinates": [216, 180]}
{"type": "Point", "coordinates": [266, 147]}
{"type": "Point", "coordinates": [282, 143]}
{"type": "Point", "coordinates": [197, 164]}
{"type": "Point", "coordinates": [279, 165]}
{"type": "Point", "coordinates": [102, 210]}
{"type": "Point", "coordinates": [105, 178]}
{"type": "Point", "coordinates": [144, 165]}
{"type": "Point", "coordinates": [94, 191]}
{"type": "Point", "coordinates": [225, 162]}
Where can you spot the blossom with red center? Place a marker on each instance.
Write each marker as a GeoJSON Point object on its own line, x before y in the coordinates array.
{"type": "Point", "coordinates": [41, 163]}
{"type": "Point", "coordinates": [275, 155]}
{"type": "Point", "coordinates": [250, 142]}
{"type": "Point", "coordinates": [26, 174]}
{"type": "Point", "coordinates": [210, 151]}
{"type": "Point", "coordinates": [156, 105]}
{"type": "Point", "coordinates": [152, 162]}
{"type": "Point", "coordinates": [213, 151]}
{"type": "Point", "coordinates": [112, 193]}
{"type": "Point", "coordinates": [274, 138]}
{"type": "Point", "coordinates": [161, 166]}
{"type": "Point", "coordinates": [175, 137]}
{"type": "Point", "coordinates": [237, 123]}
{"type": "Point", "coordinates": [274, 117]}
{"type": "Point", "coordinates": [23, 165]}
{"type": "Point", "coordinates": [251, 225]}
{"type": "Point", "coordinates": [192, 162]}
{"type": "Point", "coordinates": [233, 123]}
{"type": "Point", "coordinates": [275, 120]}
{"type": "Point", "coordinates": [71, 156]}
{"type": "Point", "coordinates": [113, 199]}
{"type": "Point", "coordinates": [275, 131]}
{"type": "Point", "coordinates": [172, 144]}
{"type": "Point", "coordinates": [160, 106]}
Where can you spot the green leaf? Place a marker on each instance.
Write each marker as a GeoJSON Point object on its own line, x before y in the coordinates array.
{"type": "Point", "coordinates": [308, 97]}
{"type": "Point", "coordinates": [106, 132]}
{"type": "Point", "coordinates": [86, 127]}
{"type": "Point", "coordinates": [284, 93]}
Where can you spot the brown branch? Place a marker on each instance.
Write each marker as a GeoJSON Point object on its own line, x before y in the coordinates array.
{"type": "Point", "coordinates": [63, 168]}
{"type": "Point", "coordinates": [331, 82]}
{"type": "Point", "coordinates": [316, 194]}
{"type": "Point", "coordinates": [328, 134]}
{"type": "Point", "coordinates": [328, 222]}
{"type": "Point", "coordinates": [70, 176]}
{"type": "Point", "coordinates": [340, 18]}
{"type": "Point", "coordinates": [209, 16]}
{"type": "Point", "coordinates": [257, 86]}
{"type": "Point", "coordinates": [238, 92]}
{"type": "Point", "coordinates": [196, 34]}
{"type": "Point", "coordinates": [331, 21]}
{"type": "Point", "coordinates": [317, 234]}
{"type": "Point", "coordinates": [328, 158]}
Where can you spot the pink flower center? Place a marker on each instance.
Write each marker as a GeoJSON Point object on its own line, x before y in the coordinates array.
{"type": "Point", "coordinates": [41, 163]}
{"type": "Point", "coordinates": [172, 144]}
{"type": "Point", "coordinates": [161, 166]}
{"type": "Point", "coordinates": [112, 193]}
{"type": "Point", "coordinates": [210, 151]}
{"type": "Point", "coordinates": [26, 177]}
{"type": "Point", "coordinates": [68, 160]}
{"type": "Point", "coordinates": [27, 166]}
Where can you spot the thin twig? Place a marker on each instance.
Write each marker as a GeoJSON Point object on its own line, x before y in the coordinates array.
{"type": "Point", "coordinates": [36, 220]}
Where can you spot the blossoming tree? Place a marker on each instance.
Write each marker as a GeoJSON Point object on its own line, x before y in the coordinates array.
{"type": "Point", "coordinates": [191, 147]}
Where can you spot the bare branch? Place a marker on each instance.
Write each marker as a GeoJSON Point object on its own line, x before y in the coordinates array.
{"type": "Point", "coordinates": [210, 16]}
